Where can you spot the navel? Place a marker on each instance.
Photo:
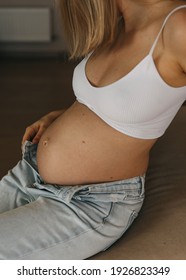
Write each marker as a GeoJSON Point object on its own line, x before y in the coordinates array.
{"type": "Point", "coordinates": [46, 142]}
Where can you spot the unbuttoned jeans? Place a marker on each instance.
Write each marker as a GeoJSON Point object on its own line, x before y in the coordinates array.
{"type": "Point", "coordinates": [45, 221]}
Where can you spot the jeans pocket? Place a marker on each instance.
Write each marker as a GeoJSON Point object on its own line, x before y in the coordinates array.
{"type": "Point", "coordinates": [131, 219]}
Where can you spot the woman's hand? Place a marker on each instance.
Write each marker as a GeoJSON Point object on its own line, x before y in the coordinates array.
{"type": "Point", "coordinates": [34, 132]}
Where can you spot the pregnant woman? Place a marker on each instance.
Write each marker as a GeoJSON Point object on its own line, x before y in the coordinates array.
{"type": "Point", "coordinates": [80, 183]}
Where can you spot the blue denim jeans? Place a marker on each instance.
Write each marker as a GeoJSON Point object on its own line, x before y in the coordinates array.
{"type": "Point", "coordinates": [45, 221]}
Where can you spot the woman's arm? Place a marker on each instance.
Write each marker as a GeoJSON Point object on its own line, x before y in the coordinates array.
{"type": "Point", "coordinates": [34, 131]}
{"type": "Point", "coordinates": [176, 38]}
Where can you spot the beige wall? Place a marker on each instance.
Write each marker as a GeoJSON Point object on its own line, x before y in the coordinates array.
{"type": "Point", "coordinates": [56, 46]}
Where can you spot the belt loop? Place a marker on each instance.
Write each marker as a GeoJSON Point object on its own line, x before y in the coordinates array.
{"type": "Point", "coordinates": [23, 147]}
{"type": "Point", "coordinates": [67, 192]}
{"type": "Point", "coordinates": [142, 185]}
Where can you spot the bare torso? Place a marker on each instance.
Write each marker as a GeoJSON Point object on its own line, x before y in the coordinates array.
{"type": "Point", "coordinates": [79, 147]}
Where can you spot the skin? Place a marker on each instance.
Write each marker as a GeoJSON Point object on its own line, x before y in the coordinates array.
{"type": "Point", "coordinates": [76, 146]}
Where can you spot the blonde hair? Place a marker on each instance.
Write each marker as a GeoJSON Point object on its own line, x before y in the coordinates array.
{"type": "Point", "coordinates": [88, 24]}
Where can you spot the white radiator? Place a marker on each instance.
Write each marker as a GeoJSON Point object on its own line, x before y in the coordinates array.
{"type": "Point", "coordinates": [25, 24]}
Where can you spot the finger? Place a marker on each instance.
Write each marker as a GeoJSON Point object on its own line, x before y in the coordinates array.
{"type": "Point", "coordinates": [37, 137]}
{"type": "Point", "coordinates": [29, 134]}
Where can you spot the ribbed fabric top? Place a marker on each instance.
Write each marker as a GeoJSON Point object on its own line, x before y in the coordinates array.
{"type": "Point", "coordinates": [140, 104]}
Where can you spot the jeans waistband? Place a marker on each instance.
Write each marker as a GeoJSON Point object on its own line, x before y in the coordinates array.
{"type": "Point", "coordinates": [29, 151]}
{"type": "Point", "coordinates": [132, 188]}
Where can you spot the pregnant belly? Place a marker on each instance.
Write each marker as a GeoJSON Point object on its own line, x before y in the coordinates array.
{"type": "Point", "coordinates": [80, 148]}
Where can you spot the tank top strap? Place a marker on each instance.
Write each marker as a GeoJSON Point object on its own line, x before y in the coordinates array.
{"type": "Point", "coordinates": [163, 25]}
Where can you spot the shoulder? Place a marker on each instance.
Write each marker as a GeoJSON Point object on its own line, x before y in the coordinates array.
{"type": "Point", "coordinates": [175, 36]}
{"type": "Point", "coordinates": [176, 24]}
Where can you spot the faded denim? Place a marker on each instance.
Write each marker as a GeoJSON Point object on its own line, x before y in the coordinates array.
{"type": "Point", "coordinates": [44, 221]}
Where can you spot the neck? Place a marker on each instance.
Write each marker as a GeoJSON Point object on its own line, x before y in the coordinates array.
{"type": "Point", "coordinates": [138, 13]}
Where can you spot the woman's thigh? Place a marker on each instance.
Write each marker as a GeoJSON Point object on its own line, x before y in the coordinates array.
{"type": "Point", "coordinates": [14, 185]}
{"type": "Point", "coordinates": [83, 222]}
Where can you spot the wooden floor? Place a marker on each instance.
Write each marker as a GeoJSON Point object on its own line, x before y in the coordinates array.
{"type": "Point", "coordinates": [29, 88]}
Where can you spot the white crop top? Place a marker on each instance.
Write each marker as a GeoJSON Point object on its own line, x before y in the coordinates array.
{"type": "Point", "coordinates": [140, 104]}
